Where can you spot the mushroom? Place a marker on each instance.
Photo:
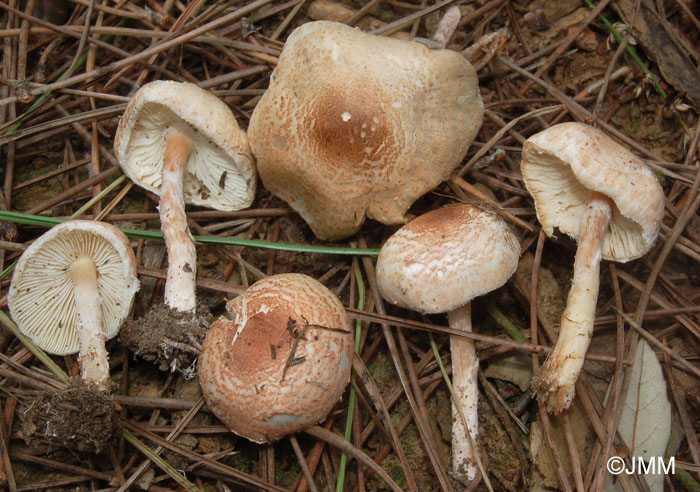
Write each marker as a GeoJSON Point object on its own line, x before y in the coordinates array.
{"type": "Point", "coordinates": [600, 194]}
{"type": "Point", "coordinates": [182, 143]}
{"type": "Point", "coordinates": [281, 362]}
{"type": "Point", "coordinates": [354, 124]}
{"type": "Point", "coordinates": [72, 289]}
{"type": "Point", "coordinates": [438, 263]}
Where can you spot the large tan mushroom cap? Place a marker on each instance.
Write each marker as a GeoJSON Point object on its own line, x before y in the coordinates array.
{"type": "Point", "coordinates": [563, 164]}
{"type": "Point", "coordinates": [355, 124]}
{"type": "Point", "coordinates": [41, 293]}
{"type": "Point", "coordinates": [242, 362]}
{"type": "Point", "coordinates": [445, 258]}
{"type": "Point", "coordinates": [220, 171]}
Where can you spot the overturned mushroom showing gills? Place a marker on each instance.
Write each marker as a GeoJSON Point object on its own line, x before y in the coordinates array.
{"type": "Point", "coordinates": [602, 195]}
{"type": "Point", "coordinates": [72, 289]}
{"type": "Point", "coordinates": [438, 263]}
{"type": "Point", "coordinates": [184, 144]}
{"type": "Point", "coordinates": [281, 362]}
{"type": "Point", "coordinates": [357, 125]}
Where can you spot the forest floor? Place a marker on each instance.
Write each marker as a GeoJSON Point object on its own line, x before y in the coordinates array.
{"type": "Point", "coordinates": [68, 70]}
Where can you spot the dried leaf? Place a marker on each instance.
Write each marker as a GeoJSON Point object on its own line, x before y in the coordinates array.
{"type": "Point", "coordinates": [584, 438]}
{"type": "Point", "coordinates": [645, 424]}
{"type": "Point", "coordinates": [515, 368]}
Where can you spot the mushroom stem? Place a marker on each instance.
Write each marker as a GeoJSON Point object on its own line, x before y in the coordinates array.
{"type": "Point", "coordinates": [182, 256]}
{"type": "Point", "coordinates": [94, 366]}
{"type": "Point", "coordinates": [465, 368]}
{"type": "Point", "coordinates": [556, 381]}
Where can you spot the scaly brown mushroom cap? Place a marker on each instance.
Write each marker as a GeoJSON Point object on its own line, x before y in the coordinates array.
{"type": "Point", "coordinates": [248, 377]}
{"type": "Point", "coordinates": [355, 124]}
{"type": "Point", "coordinates": [445, 258]}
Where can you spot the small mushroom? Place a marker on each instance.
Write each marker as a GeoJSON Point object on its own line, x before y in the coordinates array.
{"type": "Point", "coordinates": [354, 124]}
{"type": "Point", "coordinates": [282, 361]}
{"type": "Point", "coordinates": [438, 263]}
{"type": "Point", "coordinates": [182, 143]}
{"type": "Point", "coordinates": [600, 194]}
{"type": "Point", "coordinates": [72, 289]}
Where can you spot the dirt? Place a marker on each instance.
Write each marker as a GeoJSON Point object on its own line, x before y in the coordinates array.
{"type": "Point", "coordinates": [167, 337]}
{"type": "Point", "coordinates": [503, 463]}
{"type": "Point", "coordinates": [80, 417]}
{"type": "Point", "coordinates": [551, 295]}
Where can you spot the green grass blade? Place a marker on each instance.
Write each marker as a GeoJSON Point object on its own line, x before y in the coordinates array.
{"type": "Point", "coordinates": [340, 484]}
{"type": "Point", "coordinates": [631, 51]}
{"type": "Point", "coordinates": [42, 221]}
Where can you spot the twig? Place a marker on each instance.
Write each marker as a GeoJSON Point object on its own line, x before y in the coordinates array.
{"type": "Point", "coordinates": [366, 378]}
{"type": "Point", "coordinates": [678, 400]}
{"type": "Point", "coordinates": [417, 325]}
{"type": "Point", "coordinates": [582, 113]}
{"type": "Point", "coordinates": [8, 475]}
{"type": "Point", "coordinates": [302, 463]}
{"type": "Point", "coordinates": [654, 342]}
{"type": "Point", "coordinates": [343, 445]}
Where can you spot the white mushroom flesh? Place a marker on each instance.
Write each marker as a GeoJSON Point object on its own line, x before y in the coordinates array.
{"type": "Point", "coordinates": [94, 364]}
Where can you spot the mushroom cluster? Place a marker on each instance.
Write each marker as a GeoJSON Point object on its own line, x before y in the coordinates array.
{"type": "Point", "coordinates": [352, 126]}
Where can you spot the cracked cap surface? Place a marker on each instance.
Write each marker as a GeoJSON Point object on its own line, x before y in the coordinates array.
{"type": "Point", "coordinates": [356, 125]}
{"type": "Point", "coordinates": [445, 258]}
{"type": "Point", "coordinates": [245, 370]}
